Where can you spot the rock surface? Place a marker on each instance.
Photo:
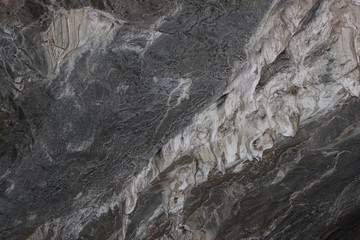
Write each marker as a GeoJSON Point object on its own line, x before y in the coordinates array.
{"type": "Point", "coordinates": [181, 119]}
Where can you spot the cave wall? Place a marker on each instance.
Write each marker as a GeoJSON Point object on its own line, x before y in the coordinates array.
{"type": "Point", "coordinates": [181, 119]}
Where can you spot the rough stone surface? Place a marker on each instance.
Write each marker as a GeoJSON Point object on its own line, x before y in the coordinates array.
{"type": "Point", "coordinates": [181, 119]}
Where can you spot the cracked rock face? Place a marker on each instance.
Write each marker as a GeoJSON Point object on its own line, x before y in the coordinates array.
{"type": "Point", "coordinates": [179, 119]}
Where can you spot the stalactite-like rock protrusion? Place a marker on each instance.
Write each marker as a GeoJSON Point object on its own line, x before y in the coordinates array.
{"type": "Point", "coordinates": [300, 64]}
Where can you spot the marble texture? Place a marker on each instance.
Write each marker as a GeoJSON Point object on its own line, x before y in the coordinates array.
{"type": "Point", "coordinates": [179, 120]}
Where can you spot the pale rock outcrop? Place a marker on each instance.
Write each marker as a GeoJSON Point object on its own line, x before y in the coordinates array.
{"type": "Point", "coordinates": [320, 40]}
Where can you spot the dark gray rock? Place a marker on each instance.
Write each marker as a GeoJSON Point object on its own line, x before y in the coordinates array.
{"type": "Point", "coordinates": [56, 144]}
{"type": "Point", "coordinates": [92, 90]}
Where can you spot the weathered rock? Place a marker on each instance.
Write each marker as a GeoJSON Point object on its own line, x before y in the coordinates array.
{"type": "Point", "coordinates": [179, 119]}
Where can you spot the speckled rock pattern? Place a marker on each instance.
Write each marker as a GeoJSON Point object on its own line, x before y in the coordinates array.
{"type": "Point", "coordinates": [180, 119]}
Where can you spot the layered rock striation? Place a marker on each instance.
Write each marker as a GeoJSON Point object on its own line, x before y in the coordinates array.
{"type": "Point", "coordinates": [180, 119]}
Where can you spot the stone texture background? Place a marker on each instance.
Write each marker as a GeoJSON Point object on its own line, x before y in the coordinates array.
{"type": "Point", "coordinates": [182, 119]}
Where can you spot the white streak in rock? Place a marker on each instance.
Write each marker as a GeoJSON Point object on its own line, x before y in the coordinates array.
{"type": "Point", "coordinates": [324, 70]}
{"type": "Point", "coordinates": [77, 30]}
{"type": "Point", "coordinates": [250, 120]}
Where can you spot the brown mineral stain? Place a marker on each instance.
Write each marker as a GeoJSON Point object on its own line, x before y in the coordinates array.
{"type": "Point", "coordinates": [346, 131]}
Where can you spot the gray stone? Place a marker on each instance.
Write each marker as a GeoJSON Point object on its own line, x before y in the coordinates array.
{"type": "Point", "coordinates": [180, 119]}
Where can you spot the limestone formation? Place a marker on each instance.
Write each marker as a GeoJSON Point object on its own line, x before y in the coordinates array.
{"type": "Point", "coordinates": [158, 119]}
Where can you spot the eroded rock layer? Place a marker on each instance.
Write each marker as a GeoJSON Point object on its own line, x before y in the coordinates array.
{"type": "Point", "coordinates": [180, 119]}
